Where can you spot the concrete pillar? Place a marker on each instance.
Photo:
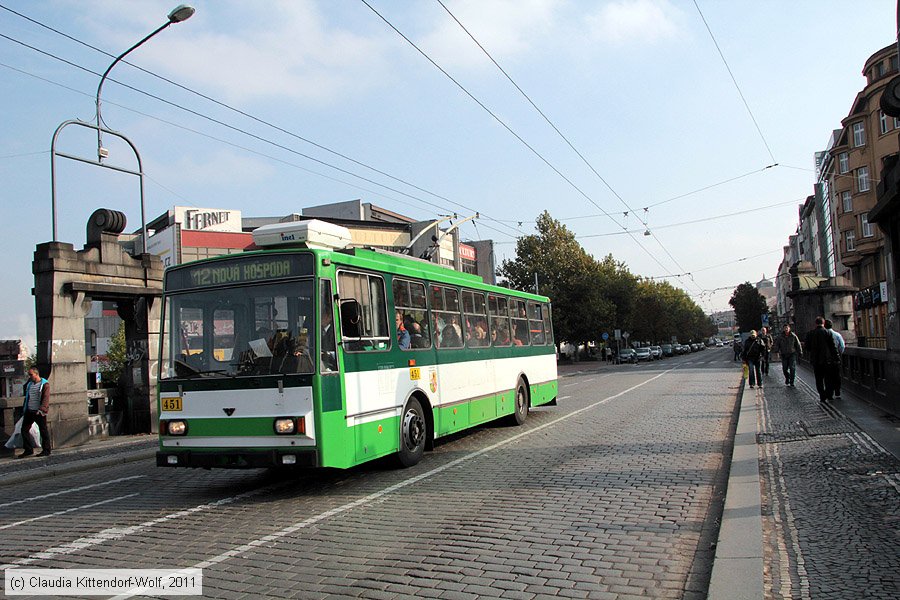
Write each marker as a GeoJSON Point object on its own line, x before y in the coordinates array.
{"type": "Point", "coordinates": [60, 341]}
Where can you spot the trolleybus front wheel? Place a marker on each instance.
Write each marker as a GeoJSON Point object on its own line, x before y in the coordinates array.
{"type": "Point", "coordinates": [413, 434]}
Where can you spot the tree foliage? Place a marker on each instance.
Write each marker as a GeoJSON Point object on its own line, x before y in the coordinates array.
{"type": "Point", "coordinates": [594, 296]}
{"type": "Point", "coordinates": [749, 306]}
{"type": "Point", "coordinates": [114, 365]}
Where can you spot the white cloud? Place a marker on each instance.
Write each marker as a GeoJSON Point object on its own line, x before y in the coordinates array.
{"type": "Point", "coordinates": [635, 22]}
{"type": "Point", "coordinates": [506, 28]}
{"type": "Point", "coordinates": [241, 53]}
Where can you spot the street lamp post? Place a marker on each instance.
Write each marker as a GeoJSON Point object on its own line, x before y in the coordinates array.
{"type": "Point", "coordinates": [180, 13]}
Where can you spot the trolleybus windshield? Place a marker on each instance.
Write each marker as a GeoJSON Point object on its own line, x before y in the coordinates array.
{"type": "Point", "coordinates": [264, 329]}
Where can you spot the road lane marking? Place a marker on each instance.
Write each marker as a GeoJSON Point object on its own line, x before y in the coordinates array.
{"type": "Point", "coordinates": [68, 510]}
{"type": "Point", "coordinates": [71, 490]}
{"type": "Point", "coordinates": [115, 533]}
{"type": "Point", "coordinates": [274, 537]}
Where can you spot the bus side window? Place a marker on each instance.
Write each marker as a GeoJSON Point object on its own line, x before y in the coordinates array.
{"type": "Point", "coordinates": [548, 332]}
{"type": "Point", "coordinates": [497, 306]}
{"type": "Point", "coordinates": [519, 322]}
{"type": "Point", "coordinates": [535, 323]}
{"type": "Point", "coordinates": [445, 317]}
{"type": "Point", "coordinates": [363, 312]}
{"type": "Point", "coordinates": [475, 314]}
{"type": "Point", "coordinates": [409, 301]}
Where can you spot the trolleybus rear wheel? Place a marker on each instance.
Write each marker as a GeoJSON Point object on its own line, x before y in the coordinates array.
{"type": "Point", "coordinates": [521, 410]}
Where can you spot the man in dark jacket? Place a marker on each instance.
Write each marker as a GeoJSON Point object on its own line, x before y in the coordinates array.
{"type": "Point", "coordinates": [37, 405]}
{"type": "Point", "coordinates": [823, 357]}
{"type": "Point", "coordinates": [789, 348]}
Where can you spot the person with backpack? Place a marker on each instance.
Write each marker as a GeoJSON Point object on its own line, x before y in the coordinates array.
{"type": "Point", "coordinates": [752, 355]}
{"type": "Point", "coordinates": [789, 348]}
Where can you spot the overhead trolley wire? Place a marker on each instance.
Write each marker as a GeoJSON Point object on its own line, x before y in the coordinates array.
{"type": "Point", "coordinates": [514, 134]}
{"type": "Point", "coordinates": [734, 81]}
{"type": "Point", "coordinates": [561, 135]}
{"type": "Point", "coordinates": [236, 129]}
{"type": "Point", "coordinates": [253, 118]}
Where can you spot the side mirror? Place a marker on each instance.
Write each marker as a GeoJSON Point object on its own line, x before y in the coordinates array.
{"type": "Point", "coordinates": [351, 321]}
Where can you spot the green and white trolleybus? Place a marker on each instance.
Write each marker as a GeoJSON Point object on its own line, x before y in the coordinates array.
{"type": "Point", "coordinates": [310, 353]}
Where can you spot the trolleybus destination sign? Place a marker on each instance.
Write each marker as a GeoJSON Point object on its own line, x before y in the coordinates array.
{"type": "Point", "coordinates": [239, 270]}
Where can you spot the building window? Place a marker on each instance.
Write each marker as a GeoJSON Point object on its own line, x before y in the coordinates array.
{"type": "Point", "coordinates": [850, 241]}
{"type": "Point", "coordinates": [880, 70]}
{"type": "Point", "coordinates": [867, 229]}
{"type": "Point", "coordinates": [895, 63]}
{"type": "Point", "coordinates": [896, 123]}
{"type": "Point", "coordinates": [859, 134]}
{"type": "Point", "coordinates": [847, 201]}
{"type": "Point", "coordinates": [883, 120]}
{"type": "Point", "coordinates": [862, 179]}
{"type": "Point", "coordinates": [843, 163]}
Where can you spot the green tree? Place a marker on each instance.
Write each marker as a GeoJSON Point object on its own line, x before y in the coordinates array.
{"type": "Point", "coordinates": [567, 274]}
{"type": "Point", "coordinates": [114, 365]}
{"type": "Point", "coordinates": [749, 307]}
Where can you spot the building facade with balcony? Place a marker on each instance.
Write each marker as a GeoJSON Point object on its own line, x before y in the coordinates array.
{"type": "Point", "coordinates": [866, 137]}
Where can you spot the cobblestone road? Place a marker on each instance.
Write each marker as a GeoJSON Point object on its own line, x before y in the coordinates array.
{"type": "Point", "coordinates": [831, 501]}
{"type": "Point", "coordinates": [612, 494]}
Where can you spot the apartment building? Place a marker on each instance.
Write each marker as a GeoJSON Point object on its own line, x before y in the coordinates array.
{"type": "Point", "coordinates": [849, 175]}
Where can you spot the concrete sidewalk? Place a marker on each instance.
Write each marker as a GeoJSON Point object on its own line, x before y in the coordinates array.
{"type": "Point", "coordinates": [813, 501]}
{"type": "Point", "coordinates": [96, 453]}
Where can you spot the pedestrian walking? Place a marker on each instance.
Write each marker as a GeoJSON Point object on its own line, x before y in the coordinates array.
{"type": "Point", "coordinates": [738, 349]}
{"type": "Point", "coordinates": [752, 355]}
{"type": "Point", "coordinates": [36, 407]}
{"type": "Point", "coordinates": [839, 346]}
{"type": "Point", "coordinates": [789, 348]}
{"type": "Point", "coordinates": [822, 354]}
{"type": "Point", "coordinates": [766, 338]}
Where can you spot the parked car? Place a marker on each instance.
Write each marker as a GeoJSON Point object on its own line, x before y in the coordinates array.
{"type": "Point", "coordinates": [685, 348]}
{"type": "Point", "coordinates": [668, 350]}
{"type": "Point", "coordinates": [626, 355]}
{"type": "Point", "coordinates": [656, 352]}
{"type": "Point", "coordinates": [643, 353]}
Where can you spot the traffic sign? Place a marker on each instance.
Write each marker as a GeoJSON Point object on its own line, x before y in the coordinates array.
{"type": "Point", "coordinates": [618, 334]}
{"type": "Point", "coordinates": [626, 335]}
{"type": "Point", "coordinates": [605, 336]}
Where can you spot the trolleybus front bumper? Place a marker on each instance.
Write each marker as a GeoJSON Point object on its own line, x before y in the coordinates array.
{"type": "Point", "coordinates": [243, 459]}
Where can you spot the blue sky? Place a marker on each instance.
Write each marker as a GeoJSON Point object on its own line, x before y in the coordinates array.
{"type": "Point", "coordinates": [637, 86]}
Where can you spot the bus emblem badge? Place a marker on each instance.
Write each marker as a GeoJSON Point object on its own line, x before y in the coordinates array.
{"type": "Point", "coordinates": [228, 411]}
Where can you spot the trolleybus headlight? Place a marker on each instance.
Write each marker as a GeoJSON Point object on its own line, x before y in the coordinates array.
{"type": "Point", "coordinates": [176, 427]}
{"type": "Point", "coordinates": [285, 426]}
